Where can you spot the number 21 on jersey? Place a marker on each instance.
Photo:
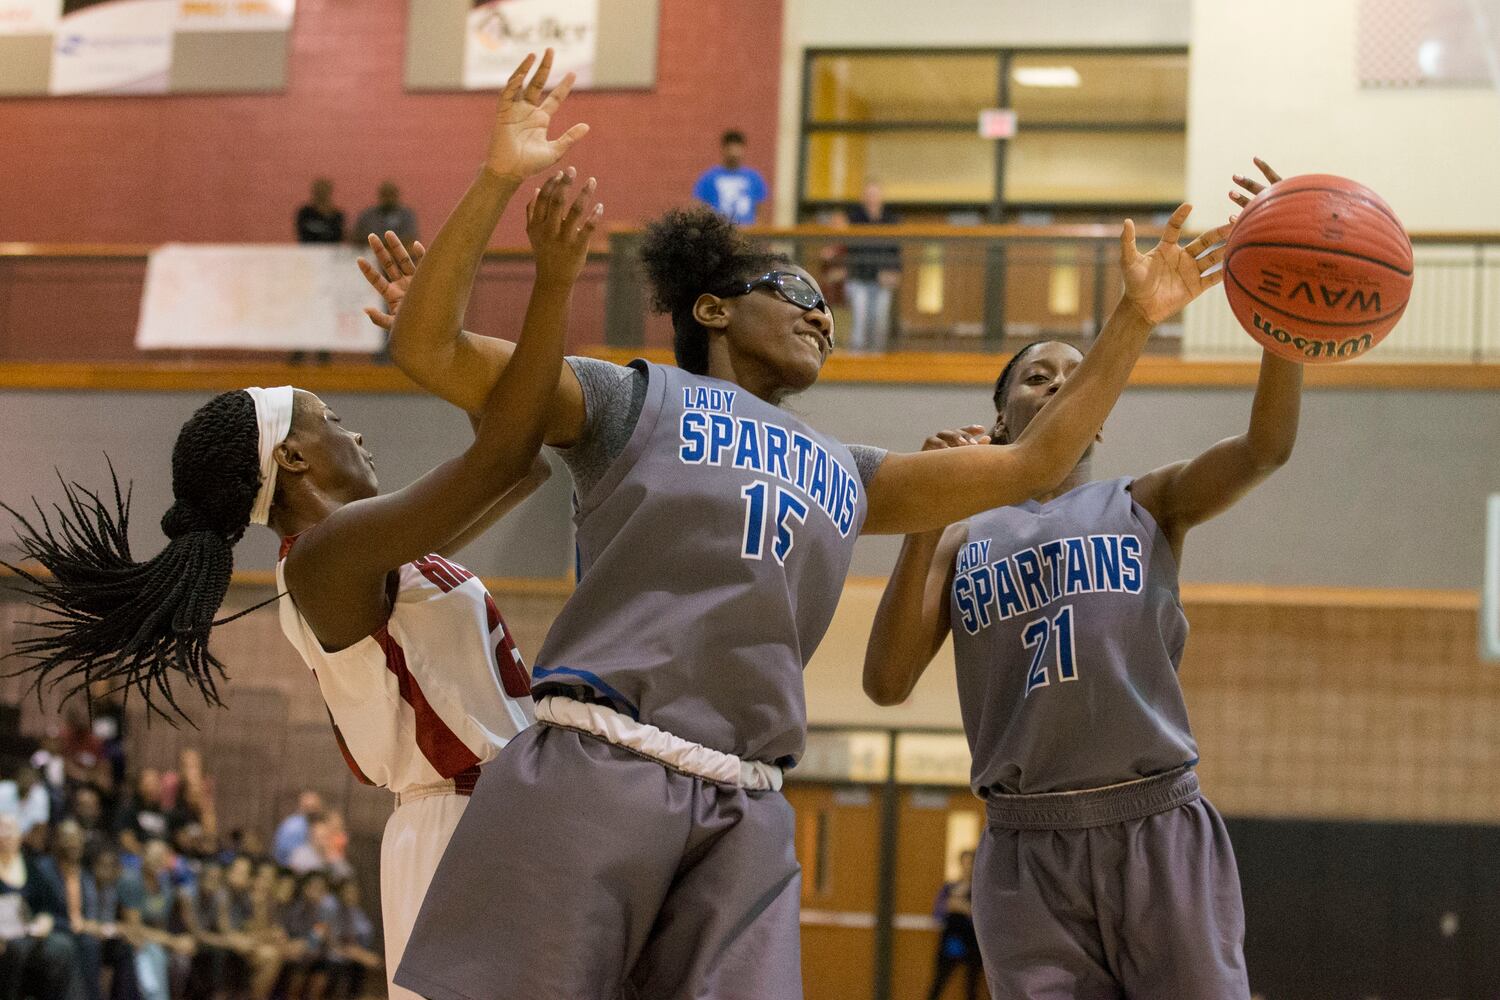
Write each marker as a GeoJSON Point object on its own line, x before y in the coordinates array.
{"type": "Point", "coordinates": [1055, 634]}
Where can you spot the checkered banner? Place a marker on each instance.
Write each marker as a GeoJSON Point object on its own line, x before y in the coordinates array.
{"type": "Point", "coordinates": [1426, 43]}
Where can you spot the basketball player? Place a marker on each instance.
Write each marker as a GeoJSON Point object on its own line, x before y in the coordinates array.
{"type": "Point", "coordinates": [421, 678]}
{"type": "Point", "coordinates": [634, 844]}
{"type": "Point", "coordinates": [1102, 872]}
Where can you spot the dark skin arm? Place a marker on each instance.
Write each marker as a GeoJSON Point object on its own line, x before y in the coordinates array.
{"type": "Point", "coordinates": [1184, 494]}
{"type": "Point", "coordinates": [392, 279]}
{"type": "Point", "coordinates": [340, 571]}
{"type": "Point", "coordinates": [926, 490]}
{"type": "Point", "coordinates": [913, 620]}
{"type": "Point", "coordinates": [911, 623]}
{"type": "Point", "coordinates": [429, 344]}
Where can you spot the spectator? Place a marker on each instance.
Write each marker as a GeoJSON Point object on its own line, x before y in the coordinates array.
{"type": "Point", "coordinates": [308, 921]}
{"type": "Point", "coordinates": [141, 816]}
{"type": "Point", "coordinates": [325, 848]}
{"type": "Point", "coordinates": [732, 189]}
{"type": "Point", "coordinates": [26, 798]}
{"type": "Point", "coordinates": [36, 952]}
{"type": "Point", "coordinates": [386, 214]}
{"type": "Point", "coordinates": [101, 910]}
{"type": "Point", "coordinates": [352, 945]}
{"type": "Point", "coordinates": [295, 829]}
{"type": "Point", "coordinates": [320, 221]}
{"type": "Point", "coordinates": [92, 908]}
{"type": "Point", "coordinates": [87, 810]}
{"type": "Point", "coordinates": [152, 922]}
{"type": "Point", "coordinates": [874, 272]}
{"type": "Point", "coordinates": [958, 944]}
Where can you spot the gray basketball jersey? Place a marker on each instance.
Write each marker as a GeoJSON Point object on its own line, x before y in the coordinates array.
{"type": "Point", "coordinates": [1067, 632]}
{"type": "Point", "coordinates": [711, 557]}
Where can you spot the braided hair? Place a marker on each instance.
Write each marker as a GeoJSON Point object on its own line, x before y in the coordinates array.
{"type": "Point", "coordinates": [132, 623]}
{"type": "Point", "coordinates": [690, 251]}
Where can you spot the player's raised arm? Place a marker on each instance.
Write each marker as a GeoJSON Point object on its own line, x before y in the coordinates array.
{"type": "Point", "coordinates": [927, 490]}
{"type": "Point", "coordinates": [1184, 494]}
{"type": "Point", "coordinates": [352, 550]}
{"type": "Point", "coordinates": [911, 623]}
{"type": "Point", "coordinates": [428, 342]}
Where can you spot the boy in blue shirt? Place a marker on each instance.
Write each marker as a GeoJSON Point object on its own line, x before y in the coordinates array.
{"type": "Point", "coordinates": [733, 190]}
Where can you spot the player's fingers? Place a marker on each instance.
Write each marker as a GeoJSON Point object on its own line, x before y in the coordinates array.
{"type": "Point", "coordinates": [580, 204]}
{"type": "Point", "coordinates": [1265, 168]}
{"type": "Point", "coordinates": [564, 142]}
{"type": "Point", "coordinates": [559, 94]}
{"type": "Point", "coordinates": [592, 222]}
{"type": "Point", "coordinates": [418, 251]}
{"type": "Point", "coordinates": [403, 259]}
{"type": "Point", "coordinates": [1212, 259]}
{"type": "Point", "coordinates": [512, 88]}
{"type": "Point", "coordinates": [374, 277]}
{"type": "Point", "coordinates": [1239, 199]}
{"type": "Point", "coordinates": [1253, 186]}
{"type": "Point", "coordinates": [1173, 231]}
{"type": "Point", "coordinates": [1128, 249]}
{"type": "Point", "coordinates": [377, 244]}
{"type": "Point", "coordinates": [539, 80]}
{"type": "Point", "coordinates": [383, 320]}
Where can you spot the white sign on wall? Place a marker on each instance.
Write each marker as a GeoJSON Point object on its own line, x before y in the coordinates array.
{"type": "Point", "coordinates": [114, 47]}
{"type": "Point", "coordinates": [235, 15]}
{"type": "Point", "coordinates": [501, 32]}
{"type": "Point", "coordinates": [29, 17]}
{"type": "Point", "coordinates": [246, 297]}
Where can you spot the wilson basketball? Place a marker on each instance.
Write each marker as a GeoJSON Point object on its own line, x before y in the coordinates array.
{"type": "Point", "coordinates": [1318, 269]}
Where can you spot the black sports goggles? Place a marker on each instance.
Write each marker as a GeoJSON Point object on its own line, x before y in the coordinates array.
{"type": "Point", "coordinates": [790, 287]}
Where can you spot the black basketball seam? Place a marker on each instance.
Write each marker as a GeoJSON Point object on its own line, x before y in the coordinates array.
{"type": "Point", "coordinates": [1327, 250]}
{"type": "Point", "coordinates": [1362, 200]}
{"type": "Point", "coordinates": [1304, 319]}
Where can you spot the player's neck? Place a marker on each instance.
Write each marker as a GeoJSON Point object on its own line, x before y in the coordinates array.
{"type": "Point", "coordinates": [1082, 473]}
{"type": "Point", "coordinates": [310, 509]}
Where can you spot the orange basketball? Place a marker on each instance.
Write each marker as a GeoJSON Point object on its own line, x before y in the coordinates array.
{"type": "Point", "coordinates": [1318, 269]}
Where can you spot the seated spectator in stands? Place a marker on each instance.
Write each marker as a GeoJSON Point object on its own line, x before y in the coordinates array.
{"type": "Point", "coordinates": [352, 947]}
{"type": "Point", "coordinates": [310, 919]}
{"type": "Point", "coordinates": [293, 831]}
{"type": "Point", "coordinates": [242, 922]}
{"type": "Point", "coordinates": [325, 848]}
{"type": "Point", "coordinates": [387, 214]}
{"type": "Point", "coordinates": [320, 221]}
{"type": "Point", "coordinates": [24, 796]}
{"type": "Point", "coordinates": [102, 917]}
{"type": "Point", "coordinates": [92, 907]}
{"type": "Point", "coordinates": [152, 922]}
{"type": "Point", "coordinates": [732, 189]}
{"type": "Point", "coordinates": [87, 810]}
{"type": "Point", "coordinates": [217, 969]}
{"type": "Point", "coordinates": [874, 273]}
{"type": "Point", "coordinates": [37, 957]}
{"type": "Point", "coordinates": [141, 816]}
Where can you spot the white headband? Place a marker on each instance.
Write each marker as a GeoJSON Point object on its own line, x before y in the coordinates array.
{"type": "Point", "coordinates": [273, 417]}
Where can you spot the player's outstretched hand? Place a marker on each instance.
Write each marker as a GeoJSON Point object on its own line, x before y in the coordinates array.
{"type": "Point", "coordinates": [1252, 185]}
{"type": "Point", "coordinates": [393, 277]}
{"type": "Point", "coordinates": [560, 233]}
{"type": "Point", "coordinates": [1162, 282]}
{"type": "Point", "coordinates": [960, 438]}
{"type": "Point", "coordinates": [519, 146]}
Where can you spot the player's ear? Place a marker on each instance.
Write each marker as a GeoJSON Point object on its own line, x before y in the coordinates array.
{"type": "Point", "coordinates": [711, 312]}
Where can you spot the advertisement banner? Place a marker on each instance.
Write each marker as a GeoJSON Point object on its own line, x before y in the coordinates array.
{"type": "Point", "coordinates": [113, 47]}
{"type": "Point", "coordinates": [235, 15]}
{"type": "Point", "coordinates": [29, 17]}
{"type": "Point", "coordinates": [274, 298]}
{"type": "Point", "coordinates": [501, 32]}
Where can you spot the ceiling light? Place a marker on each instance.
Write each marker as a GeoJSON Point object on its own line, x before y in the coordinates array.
{"type": "Point", "coordinates": [1046, 76]}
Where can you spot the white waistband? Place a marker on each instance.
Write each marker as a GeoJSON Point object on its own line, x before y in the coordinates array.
{"type": "Point", "coordinates": [661, 746]}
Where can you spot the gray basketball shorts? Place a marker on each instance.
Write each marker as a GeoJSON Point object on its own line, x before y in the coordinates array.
{"type": "Point", "coordinates": [581, 871]}
{"type": "Point", "coordinates": [1125, 892]}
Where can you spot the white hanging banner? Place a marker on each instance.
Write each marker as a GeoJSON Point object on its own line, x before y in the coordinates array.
{"type": "Point", "coordinates": [113, 47]}
{"type": "Point", "coordinates": [501, 32]}
{"type": "Point", "coordinates": [276, 297]}
{"type": "Point", "coordinates": [235, 15]}
{"type": "Point", "coordinates": [29, 17]}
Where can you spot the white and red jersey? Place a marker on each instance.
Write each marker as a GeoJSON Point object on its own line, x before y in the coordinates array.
{"type": "Point", "coordinates": [438, 689]}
